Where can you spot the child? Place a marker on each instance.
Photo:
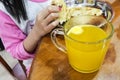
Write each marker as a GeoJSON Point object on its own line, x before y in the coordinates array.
{"type": "Point", "coordinates": [23, 23]}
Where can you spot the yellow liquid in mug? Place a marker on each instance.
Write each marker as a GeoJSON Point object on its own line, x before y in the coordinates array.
{"type": "Point", "coordinates": [85, 57]}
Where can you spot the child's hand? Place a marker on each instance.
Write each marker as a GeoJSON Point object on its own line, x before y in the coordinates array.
{"type": "Point", "coordinates": [46, 20]}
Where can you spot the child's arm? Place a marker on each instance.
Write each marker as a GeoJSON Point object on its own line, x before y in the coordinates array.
{"type": "Point", "coordinates": [12, 38]}
{"type": "Point", "coordinates": [20, 45]}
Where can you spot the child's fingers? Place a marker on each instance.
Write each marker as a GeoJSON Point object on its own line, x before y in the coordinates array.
{"type": "Point", "coordinates": [51, 18]}
{"type": "Point", "coordinates": [52, 25]}
{"type": "Point", "coordinates": [50, 9]}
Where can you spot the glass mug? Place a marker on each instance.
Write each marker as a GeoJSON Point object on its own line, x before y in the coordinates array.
{"type": "Point", "coordinates": [87, 40]}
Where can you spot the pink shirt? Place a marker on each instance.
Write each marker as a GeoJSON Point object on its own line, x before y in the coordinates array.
{"type": "Point", "coordinates": [13, 37]}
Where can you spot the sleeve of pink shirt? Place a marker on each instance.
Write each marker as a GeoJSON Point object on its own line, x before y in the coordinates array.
{"type": "Point", "coordinates": [12, 38]}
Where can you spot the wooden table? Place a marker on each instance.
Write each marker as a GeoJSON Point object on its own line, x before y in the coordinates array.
{"type": "Point", "coordinates": [52, 64]}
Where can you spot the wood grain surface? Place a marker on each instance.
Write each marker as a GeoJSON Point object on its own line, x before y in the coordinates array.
{"type": "Point", "coordinates": [51, 64]}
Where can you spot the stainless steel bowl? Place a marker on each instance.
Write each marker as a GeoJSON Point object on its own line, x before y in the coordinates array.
{"type": "Point", "coordinates": [104, 6]}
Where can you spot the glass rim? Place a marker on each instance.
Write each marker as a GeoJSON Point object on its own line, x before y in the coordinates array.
{"type": "Point", "coordinates": [99, 41]}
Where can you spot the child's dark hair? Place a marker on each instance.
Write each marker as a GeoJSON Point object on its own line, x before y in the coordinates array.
{"type": "Point", "coordinates": [16, 8]}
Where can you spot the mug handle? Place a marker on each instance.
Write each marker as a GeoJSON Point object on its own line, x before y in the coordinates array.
{"type": "Point", "coordinates": [54, 33]}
